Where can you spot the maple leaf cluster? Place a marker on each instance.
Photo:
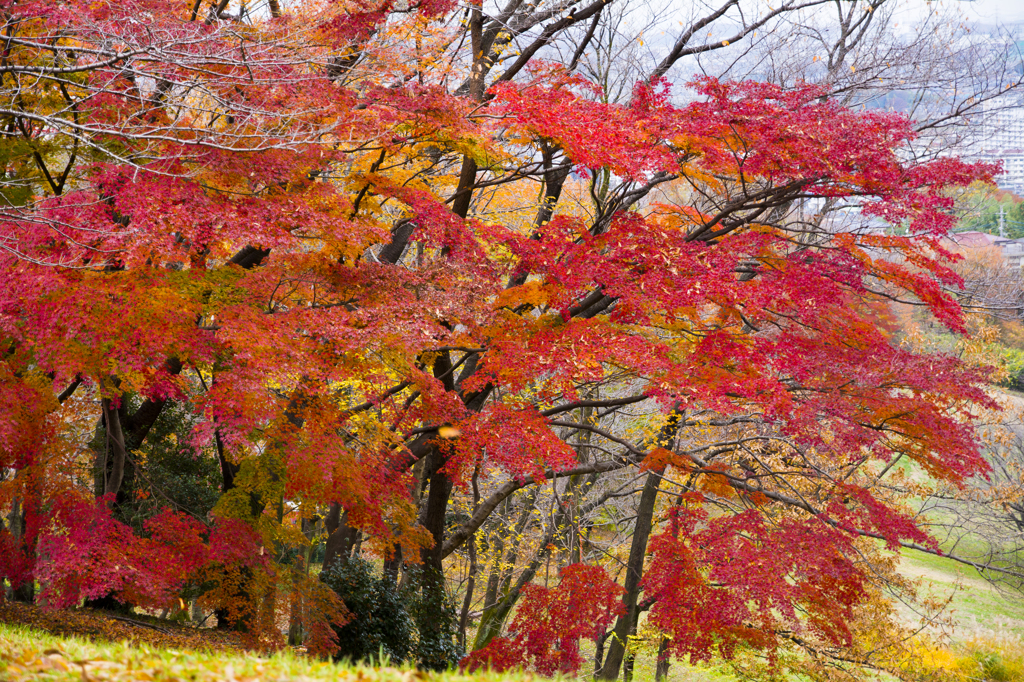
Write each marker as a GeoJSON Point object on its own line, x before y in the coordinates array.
{"type": "Point", "coordinates": [550, 622]}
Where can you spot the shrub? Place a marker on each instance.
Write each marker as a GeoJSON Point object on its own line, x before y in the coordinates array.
{"type": "Point", "coordinates": [380, 624]}
{"type": "Point", "coordinates": [987, 659]}
{"type": "Point", "coordinates": [437, 625]}
{"type": "Point", "coordinates": [1000, 659]}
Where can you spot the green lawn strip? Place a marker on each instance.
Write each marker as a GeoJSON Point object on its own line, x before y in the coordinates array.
{"type": "Point", "coordinates": [975, 603]}
{"type": "Point", "coordinates": [29, 654]}
{"type": "Point", "coordinates": [681, 671]}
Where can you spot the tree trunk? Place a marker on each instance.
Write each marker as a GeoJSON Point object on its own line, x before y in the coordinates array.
{"type": "Point", "coordinates": [435, 620]}
{"type": "Point", "coordinates": [340, 537]}
{"type": "Point", "coordinates": [114, 451]}
{"type": "Point", "coordinates": [627, 667]}
{"type": "Point", "coordinates": [634, 572]}
{"type": "Point", "coordinates": [26, 591]}
{"type": "Point", "coordinates": [393, 564]}
{"type": "Point", "coordinates": [470, 584]}
{"type": "Point", "coordinates": [110, 462]}
{"type": "Point", "coordinates": [626, 623]}
{"type": "Point", "coordinates": [439, 490]}
{"type": "Point", "coordinates": [599, 652]}
{"type": "Point", "coordinates": [661, 672]}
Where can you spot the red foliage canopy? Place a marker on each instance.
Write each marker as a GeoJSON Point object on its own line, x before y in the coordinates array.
{"type": "Point", "coordinates": [225, 231]}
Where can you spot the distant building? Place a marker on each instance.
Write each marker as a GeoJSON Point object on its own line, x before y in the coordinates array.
{"type": "Point", "coordinates": [974, 240]}
{"type": "Point", "coordinates": [999, 136]}
{"type": "Point", "coordinates": [1012, 250]}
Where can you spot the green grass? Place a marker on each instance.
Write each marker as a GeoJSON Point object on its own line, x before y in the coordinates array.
{"type": "Point", "coordinates": [679, 671]}
{"type": "Point", "coordinates": [975, 604]}
{"type": "Point", "coordinates": [29, 654]}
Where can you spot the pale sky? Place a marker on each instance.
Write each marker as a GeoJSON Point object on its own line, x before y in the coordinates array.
{"type": "Point", "coordinates": [983, 11]}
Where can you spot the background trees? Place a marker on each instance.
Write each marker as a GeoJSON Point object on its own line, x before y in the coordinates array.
{"type": "Point", "coordinates": [423, 292]}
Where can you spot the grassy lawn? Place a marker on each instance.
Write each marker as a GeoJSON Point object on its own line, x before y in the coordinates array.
{"type": "Point", "coordinates": [978, 607]}
{"type": "Point", "coordinates": [30, 654]}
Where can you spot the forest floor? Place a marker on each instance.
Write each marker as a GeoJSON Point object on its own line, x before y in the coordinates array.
{"type": "Point", "coordinates": [103, 626]}
{"type": "Point", "coordinates": [88, 645]}
{"type": "Point", "coordinates": [43, 649]}
{"type": "Point", "coordinates": [91, 646]}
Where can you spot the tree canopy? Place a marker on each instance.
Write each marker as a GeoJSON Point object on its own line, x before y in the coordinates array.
{"type": "Point", "coordinates": [395, 270]}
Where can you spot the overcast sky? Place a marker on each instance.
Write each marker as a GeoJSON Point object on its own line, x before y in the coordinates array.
{"type": "Point", "coordinates": [983, 11]}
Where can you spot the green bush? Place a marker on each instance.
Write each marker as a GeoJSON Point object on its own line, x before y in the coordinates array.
{"type": "Point", "coordinates": [380, 624]}
{"type": "Point", "coordinates": [1012, 360]}
{"type": "Point", "coordinates": [437, 625]}
{"type": "Point", "coordinates": [997, 667]}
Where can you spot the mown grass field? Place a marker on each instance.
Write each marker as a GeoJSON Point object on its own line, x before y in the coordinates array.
{"type": "Point", "coordinates": [29, 654]}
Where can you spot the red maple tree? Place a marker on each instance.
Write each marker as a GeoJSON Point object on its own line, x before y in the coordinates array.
{"type": "Point", "coordinates": [299, 229]}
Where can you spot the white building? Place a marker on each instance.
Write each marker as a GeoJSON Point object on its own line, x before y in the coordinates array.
{"type": "Point", "coordinates": [999, 136]}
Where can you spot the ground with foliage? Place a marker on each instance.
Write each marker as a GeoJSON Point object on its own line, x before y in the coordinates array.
{"type": "Point", "coordinates": [96, 645]}
{"type": "Point", "coordinates": [102, 626]}
{"type": "Point", "coordinates": [26, 653]}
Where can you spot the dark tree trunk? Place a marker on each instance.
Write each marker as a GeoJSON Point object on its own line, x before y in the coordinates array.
{"type": "Point", "coordinates": [627, 667]}
{"type": "Point", "coordinates": [26, 591]}
{"type": "Point", "coordinates": [357, 545]}
{"type": "Point", "coordinates": [114, 452]}
{"type": "Point", "coordinates": [599, 652]}
{"type": "Point", "coordinates": [228, 470]}
{"type": "Point", "coordinates": [634, 572]}
{"type": "Point", "coordinates": [435, 619]}
{"type": "Point", "coordinates": [340, 537]}
{"type": "Point", "coordinates": [295, 603]}
{"type": "Point", "coordinates": [626, 623]}
{"type": "Point", "coordinates": [439, 490]}
{"type": "Point", "coordinates": [664, 660]}
{"type": "Point", "coordinates": [110, 465]}
{"type": "Point", "coordinates": [135, 427]}
{"type": "Point", "coordinates": [393, 564]}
